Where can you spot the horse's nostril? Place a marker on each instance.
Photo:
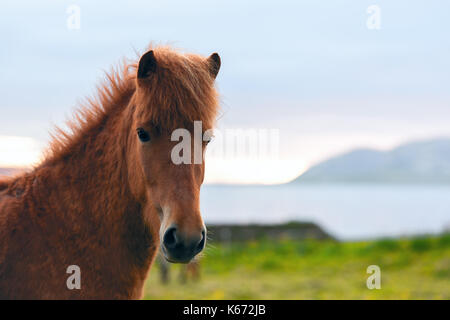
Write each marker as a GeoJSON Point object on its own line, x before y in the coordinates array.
{"type": "Point", "coordinates": [201, 244]}
{"type": "Point", "coordinates": [170, 238]}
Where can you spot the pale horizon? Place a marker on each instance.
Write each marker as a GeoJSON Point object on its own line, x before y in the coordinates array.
{"type": "Point", "coordinates": [26, 152]}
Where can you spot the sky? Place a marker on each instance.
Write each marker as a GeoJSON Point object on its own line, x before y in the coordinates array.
{"type": "Point", "coordinates": [311, 71]}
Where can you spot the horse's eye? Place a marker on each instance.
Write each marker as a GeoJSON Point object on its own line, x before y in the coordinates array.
{"type": "Point", "coordinates": [143, 135]}
{"type": "Point", "coordinates": [209, 139]}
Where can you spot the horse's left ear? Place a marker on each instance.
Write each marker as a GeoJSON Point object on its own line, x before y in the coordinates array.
{"type": "Point", "coordinates": [214, 64]}
{"type": "Point", "coordinates": [147, 65]}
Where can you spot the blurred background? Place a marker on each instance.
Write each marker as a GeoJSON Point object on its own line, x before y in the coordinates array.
{"type": "Point", "coordinates": [350, 98]}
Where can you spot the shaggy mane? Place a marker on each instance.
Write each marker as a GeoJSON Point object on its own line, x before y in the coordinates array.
{"type": "Point", "coordinates": [118, 87]}
{"type": "Point", "coordinates": [180, 93]}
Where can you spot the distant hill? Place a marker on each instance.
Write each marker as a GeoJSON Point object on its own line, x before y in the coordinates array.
{"type": "Point", "coordinates": [418, 162]}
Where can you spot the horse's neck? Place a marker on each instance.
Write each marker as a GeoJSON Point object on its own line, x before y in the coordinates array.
{"type": "Point", "coordinates": [92, 178]}
{"type": "Point", "coordinates": [94, 198]}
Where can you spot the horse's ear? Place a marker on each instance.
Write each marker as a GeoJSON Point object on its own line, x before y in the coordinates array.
{"type": "Point", "coordinates": [147, 65]}
{"type": "Point", "coordinates": [214, 64]}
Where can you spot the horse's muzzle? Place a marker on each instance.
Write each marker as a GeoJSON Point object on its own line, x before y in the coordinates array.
{"type": "Point", "coordinates": [181, 248]}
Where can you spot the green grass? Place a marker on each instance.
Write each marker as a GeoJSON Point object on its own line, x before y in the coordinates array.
{"type": "Point", "coordinates": [417, 268]}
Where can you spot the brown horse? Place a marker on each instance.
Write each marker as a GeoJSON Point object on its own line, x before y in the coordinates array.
{"type": "Point", "coordinates": [108, 194]}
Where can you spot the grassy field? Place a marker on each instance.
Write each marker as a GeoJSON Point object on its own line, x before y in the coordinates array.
{"type": "Point", "coordinates": [417, 268]}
